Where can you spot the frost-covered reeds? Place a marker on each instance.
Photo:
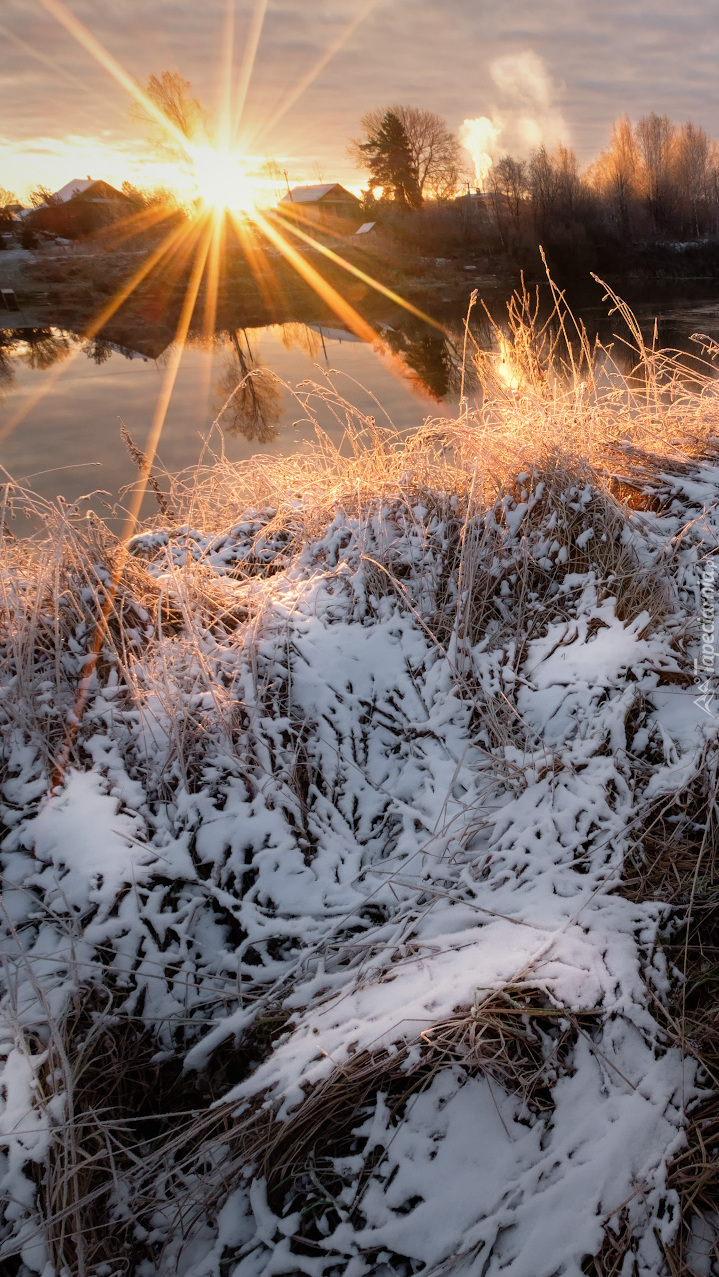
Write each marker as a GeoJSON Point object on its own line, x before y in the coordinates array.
{"type": "Point", "coordinates": [359, 846]}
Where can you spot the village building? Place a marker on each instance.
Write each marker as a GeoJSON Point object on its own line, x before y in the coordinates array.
{"type": "Point", "coordinates": [79, 207]}
{"type": "Point", "coordinates": [324, 202]}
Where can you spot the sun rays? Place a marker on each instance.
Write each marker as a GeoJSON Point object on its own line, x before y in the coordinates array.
{"type": "Point", "coordinates": [190, 256]}
{"type": "Point", "coordinates": [229, 199]}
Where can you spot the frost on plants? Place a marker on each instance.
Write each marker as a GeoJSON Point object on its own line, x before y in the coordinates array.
{"type": "Point", "coordinates": [339, 947]}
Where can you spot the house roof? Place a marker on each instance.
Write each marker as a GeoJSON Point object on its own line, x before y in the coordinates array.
{"type": "Point", "coordinates": [313, 194]}
{"type": "Point", "coordinates": [75, 187]}
{"type": "Point", "coordinates": [334, 334]}
{"type": "Point", "coordinates": [94, 188]}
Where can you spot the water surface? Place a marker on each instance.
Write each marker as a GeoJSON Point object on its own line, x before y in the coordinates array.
{"type": "Point", "coordinates": [62, 398]}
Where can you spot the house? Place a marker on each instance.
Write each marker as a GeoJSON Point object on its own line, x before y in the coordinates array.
{"type": "Point", "coordinates": [324, 202]}
{"type": "Point", "coordinates": [475, 203]}
{"type": "Point", "coordinates": [87, 189]}
{"type": "Point", "coordinates": [80, 207]}
{"type": "Point", "coordinates": [66, 192]}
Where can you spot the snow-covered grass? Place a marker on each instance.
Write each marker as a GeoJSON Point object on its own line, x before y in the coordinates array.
{"type": "Point", "coordinates": [369, 926]}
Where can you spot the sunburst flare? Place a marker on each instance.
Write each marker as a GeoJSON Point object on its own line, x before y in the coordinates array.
{"type": "Point", "coordinates": [224, 190]}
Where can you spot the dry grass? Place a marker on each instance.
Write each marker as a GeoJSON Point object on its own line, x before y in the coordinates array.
{"type": "Point", "coordinates": [515, 1036]}
{"type": "Point", "coordinates": [132, 1135]}
{"type": "Point", "coordinates": [135, 1129]}
{"type": "Point", "coordinates": [677, 862]}
{"type": "Point", "coordinates": [119, 1100]}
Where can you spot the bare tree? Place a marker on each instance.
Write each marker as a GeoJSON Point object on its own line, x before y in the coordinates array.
{"type": "Point", "coordinates": [508, 189]}
{"type": "Point", "coordinates": [568, 181]}
{"type": "Point", "coordinates": [275, 174]}
{"type": "Point", "coordinates": [693, 170]}
{"type": "Point", "coordinates": [616, 173]}
{"type": "Point", "coordinates": [554, 184]}
{"type": "Point", "coordinates": [713, 188]}
{"type": "Point", "coordinates": [151, 196]}
{"type": "Point", "coordinates": [40, 195]}
{"type": "Point", "coordinates": [542, 182]}
{"type": "Point", "coordinates": [670, 169]}
{"type": "Point", "coordinates": [656, 139]}
{"type": "Point", "coordinates": [185, 114]}
{"type": "Point", "coordinates": [7, 197]}
{"type": "Point", "coordinates": [437, 156]}
{"type": "Point", "coordinates": [508, 183]}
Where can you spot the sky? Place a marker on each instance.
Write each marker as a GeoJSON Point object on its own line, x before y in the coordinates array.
{"type": "Point", "coordinates": [539, 69]}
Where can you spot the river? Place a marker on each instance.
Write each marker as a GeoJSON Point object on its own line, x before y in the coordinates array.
{"type": "Point", "coordinates": [62, 398]}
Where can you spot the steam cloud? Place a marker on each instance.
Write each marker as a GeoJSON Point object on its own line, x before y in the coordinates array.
{"type": "Point", "coordinates": [525, 117]}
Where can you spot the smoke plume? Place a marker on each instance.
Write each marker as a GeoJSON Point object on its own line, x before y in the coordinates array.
{"type": "Point", "coordinates": [525, 116]}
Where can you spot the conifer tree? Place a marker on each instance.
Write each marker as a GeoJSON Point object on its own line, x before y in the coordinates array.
{"type": "Point", "coordinates": [388, 157]}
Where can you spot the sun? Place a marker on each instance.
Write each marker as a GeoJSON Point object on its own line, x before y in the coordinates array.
{"type": "Point", "coordinates": [222, 191]}
{"type": "Point", "coordinates": [223, 178]}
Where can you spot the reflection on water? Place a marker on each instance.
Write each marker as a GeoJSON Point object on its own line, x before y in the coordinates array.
{"type": "Point", "coordinates": [98, 351]}
{"type": "Point", "coordinates": [250, 398]}
{"type": "Point", "coordinates": [42, 348]}
{"type": "Point", "coordinates": [45, 347]}
{"type": "Point", "coordinates": [307, 338]}
{"type": "Point", "coordinates": [39, 348]}
{"type": "Point", "coordinates": [69, 443]}
{"type": "Point", "coordinates": [432, 359]}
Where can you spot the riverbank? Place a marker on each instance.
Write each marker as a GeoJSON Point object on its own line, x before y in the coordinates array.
{"type": "Point", "coordinates": [359, 883]}
{"type": "Point", "coordinates": [71, 285]}
{"type": "Point", "coordinates": [74, 286]}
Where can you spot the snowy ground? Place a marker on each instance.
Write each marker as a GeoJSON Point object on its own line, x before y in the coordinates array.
{"type": "Point", "coordinates": [383, 807]}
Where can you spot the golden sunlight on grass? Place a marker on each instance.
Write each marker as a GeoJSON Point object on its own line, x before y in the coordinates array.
{"type": "Point", "coordinates": [227, 193]}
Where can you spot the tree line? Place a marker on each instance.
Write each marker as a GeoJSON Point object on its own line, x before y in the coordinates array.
{"type": "Point", "coordinates": [655, 179]}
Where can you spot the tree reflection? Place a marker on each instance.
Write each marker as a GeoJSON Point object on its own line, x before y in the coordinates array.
{"type": "Point", "coordinates": [255, 399]}
{"type": "Point", "coordinates": [432, 359]}
{"type": "Point", "coordinates": [303, 337]}
{"type": "Point", "coordinates": [98, 350]}
{"type": "Point", "coordinates": [44, 347]}
{"type": "Point", "coordinates": [7, 374]}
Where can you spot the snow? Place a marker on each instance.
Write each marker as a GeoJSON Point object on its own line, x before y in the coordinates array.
{"type": "Point", "coordinates": [313, 194]}
{"type": "Point", "coordinates": [89, 848]}
{"type": "Point", "coordinates": [376, 833]}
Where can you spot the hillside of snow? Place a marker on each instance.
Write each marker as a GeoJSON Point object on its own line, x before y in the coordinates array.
{"type": "Point", "coordinates": [321, 953]}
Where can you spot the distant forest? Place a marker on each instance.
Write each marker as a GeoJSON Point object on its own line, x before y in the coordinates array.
{"type": "Point", "coordinates": [647, 206]}
{"type": "Point", "coordinates": [654, 187]}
